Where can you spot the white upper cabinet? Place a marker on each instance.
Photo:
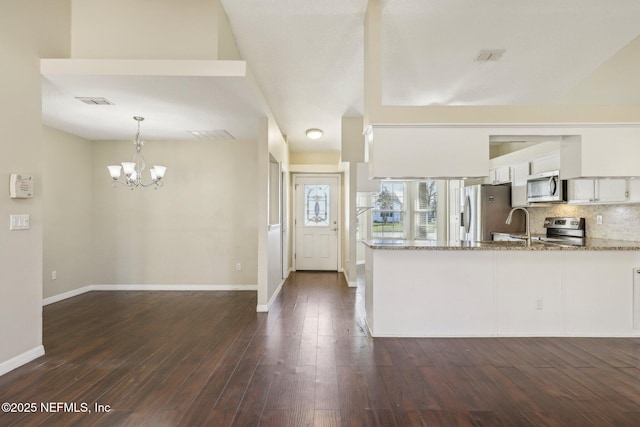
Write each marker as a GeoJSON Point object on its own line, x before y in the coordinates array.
{"type": "Point", "coordinates": [593, 191]}
{"type": "Point", "coordinates": [519, 173]}
{"type": "Point", "coordinates": [500, 175]}
{"type": "Point", "coordinates": [546, 163]}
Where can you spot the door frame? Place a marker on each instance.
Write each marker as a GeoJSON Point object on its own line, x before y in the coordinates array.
{"type": "Point", "coordinates": [295, 213]}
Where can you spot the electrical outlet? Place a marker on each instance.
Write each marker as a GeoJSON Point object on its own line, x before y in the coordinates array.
{"type": "Point", "coordinates": [54, 275]}
{"type": "Point", "coordinates": [238, 266]}
{"type": "Point", "coordinates": [599, 219]}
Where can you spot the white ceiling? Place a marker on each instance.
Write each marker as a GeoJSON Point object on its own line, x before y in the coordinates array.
{"type": "Point", "coordinates": [307, 57]}
{"type": "Point", "coordinates": [171, 106]}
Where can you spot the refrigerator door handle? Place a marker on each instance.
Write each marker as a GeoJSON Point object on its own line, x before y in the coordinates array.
{"type": "Point", "coordinates": [466, 215]}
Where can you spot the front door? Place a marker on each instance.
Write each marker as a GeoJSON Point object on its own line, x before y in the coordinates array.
{"type": "Point", "coordinates": [316, 223]}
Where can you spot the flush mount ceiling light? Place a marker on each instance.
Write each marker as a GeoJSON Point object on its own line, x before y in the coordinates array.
{"type": "Point", "coordinates": [314, 133]}
{"type": "Point", "coordinates": [133, 169]}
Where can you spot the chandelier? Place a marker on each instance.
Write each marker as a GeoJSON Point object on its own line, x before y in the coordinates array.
{"type": "Point", "coordinates": [133, 169]}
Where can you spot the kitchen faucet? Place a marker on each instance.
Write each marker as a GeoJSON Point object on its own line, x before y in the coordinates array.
{"type": "Point", "coordinates": [526, 218]}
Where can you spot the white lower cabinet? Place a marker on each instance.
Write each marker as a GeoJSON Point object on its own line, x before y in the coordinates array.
{"type": "Point", "coordinates": [585, 191]}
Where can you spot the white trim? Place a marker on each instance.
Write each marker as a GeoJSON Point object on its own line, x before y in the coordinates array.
{"type": "Point", "coordinates": [507, 125]}
{"type": "Point", "coordinates": [143, 67]}
{"type": "Point", "coordinates": [527, 335]}
{"type": "Point", "coordinates": [174, 287]}
{"type": "Point", "coordinates": [361, 262]}
{"type": "Point", "coordinates": [66, 295]}
{"type": "Point", "coordinates": [311, 169]}
{"type": "Point", "coordinates": [350, 283]}
{"type": "Point", "coordinates": [262, 308]}
{"type": "Point", "coordinates": [340, 238]}
{"type": "Point", "coordinates": [85, 289]}
{"type": "Point", "coordinates": [21, 359]}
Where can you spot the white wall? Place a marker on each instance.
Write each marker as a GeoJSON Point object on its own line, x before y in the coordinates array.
{"type": "Point", "coordinates": [191, 231]}
{"type": "Point", "coordinates": [29, 29]}
{"type": "Point", "coordinates": [67, 201]}
{"type": "Point", "coordinates": [271, 241]}
{"type": "Point", "coordinates": [145, 29]}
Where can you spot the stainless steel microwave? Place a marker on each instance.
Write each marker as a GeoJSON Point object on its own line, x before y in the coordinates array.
{"type": "Point", "coordinates": [546, 187]}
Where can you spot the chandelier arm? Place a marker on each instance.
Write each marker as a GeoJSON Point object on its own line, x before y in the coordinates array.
{"type": "Point", "coordinates": [156, 183]}
{"type": "Point", "coordinates": [131, 184]}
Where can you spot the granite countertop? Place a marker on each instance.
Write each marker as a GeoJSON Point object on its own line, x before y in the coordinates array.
{"type": "Point", "coordinates": [590, 245]}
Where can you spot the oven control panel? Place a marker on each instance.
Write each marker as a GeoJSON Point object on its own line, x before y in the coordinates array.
{"type": "Point", "coordinates": [572, 223]}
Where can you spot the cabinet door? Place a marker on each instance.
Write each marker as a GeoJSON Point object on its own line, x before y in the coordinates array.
{"type": "Point", "coordinates": [499, 175]}
{"type": "Point", "coordinates": [582, 191]}
{"type": "Point", "coordinates": [598, 190]}
{"type": "Point", "coordinates": [503, 174]}
{"type": "Point", "coordinates": [546, 163]}
{"type": "Point", "coordinates": [611, 190]}
{"type": "Point", "coordinates": [519, 174]}
{"type": "Point", "coordinates": [492, 178]}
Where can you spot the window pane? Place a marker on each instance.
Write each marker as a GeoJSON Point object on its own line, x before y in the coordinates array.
{"type": "Point", "coordinates": [316, 205]}
{"type": "Point", "coordinates": [388, 213]}
{"type": "Point", "coordinates": [426, 207]}
{"type": "Point", "coordinates": [427, 195]}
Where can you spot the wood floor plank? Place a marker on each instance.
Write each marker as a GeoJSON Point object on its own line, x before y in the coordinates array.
{"type": "Point", "coordinates": [326, 388]}
{"type": "Point", "coordinates": [326, 418]}
{"type": "Point", "coordinates": [207, 358]}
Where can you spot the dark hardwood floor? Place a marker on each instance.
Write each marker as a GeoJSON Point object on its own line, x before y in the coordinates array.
{"type": "Point", "coordinates": [206, 358]}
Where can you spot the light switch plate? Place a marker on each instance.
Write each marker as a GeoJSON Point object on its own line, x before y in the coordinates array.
{"type": "Point", "coordinates": [19, 222]}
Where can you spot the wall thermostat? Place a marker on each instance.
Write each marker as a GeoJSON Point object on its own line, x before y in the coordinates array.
{"type": "Point", "coordinates": [20, 186]}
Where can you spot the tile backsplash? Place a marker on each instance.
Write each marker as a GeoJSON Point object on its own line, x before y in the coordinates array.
{"type": "Point", "coordinates": [619, 222]}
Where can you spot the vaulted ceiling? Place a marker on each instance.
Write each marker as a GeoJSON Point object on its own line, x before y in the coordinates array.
{"type": "Point", "coordinates": [307, 57]}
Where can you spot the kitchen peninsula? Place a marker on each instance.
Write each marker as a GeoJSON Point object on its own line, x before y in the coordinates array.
{"type": "Point", "coordinates": [427, 288]}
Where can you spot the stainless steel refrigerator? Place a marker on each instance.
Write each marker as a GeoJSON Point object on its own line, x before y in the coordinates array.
{"type": "Point", "coordinates": [484, 211]}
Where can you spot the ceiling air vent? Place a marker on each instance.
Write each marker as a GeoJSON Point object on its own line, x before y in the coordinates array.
{"type": "Point", "coordinates": [94, 100]}
{"type": "Point", "coordinates": [487, 55]}
{"type": "Point", "coordinates": [216, 135]}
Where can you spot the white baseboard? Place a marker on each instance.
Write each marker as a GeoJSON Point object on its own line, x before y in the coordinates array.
{"type": "Point", "coordinates": [350, 283]}
{"type": "Point", "coordinates": [174, 287]}
{"type": "Point", "coordinates": [66, 295]}
{"type": "Point", "coordinates": [84, 289]}
{"type": "Point", "coordinates": [21, 359]}
{"type": "Point", "coordinates": [264, 308]}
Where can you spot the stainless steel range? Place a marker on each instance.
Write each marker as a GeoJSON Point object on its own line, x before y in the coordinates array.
{"type": "Point", "coordinates": [565, 231]}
